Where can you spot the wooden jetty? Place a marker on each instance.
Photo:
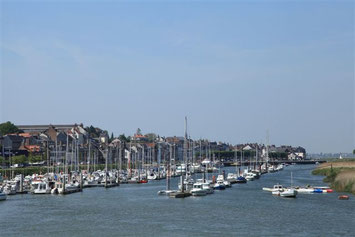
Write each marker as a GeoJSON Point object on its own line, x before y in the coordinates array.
{"type": "Point", "coordinates": [180, 194]}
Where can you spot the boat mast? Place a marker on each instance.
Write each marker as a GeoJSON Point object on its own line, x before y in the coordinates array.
{"type": "Point", "coordinates": [129, 160]}
{"type": "Point", "coordinates": [169, 167]}
{"type": "Point", "coordinates": [185, 156]}
{"type": "Point", "coordinates": [267, 150]}
{"type": "Point", "coordinates": [120, 157]}
{"type": "Point", "coordinates": [256, 156]}
{"type": "Point", "coordinates": [106, 158]}
{"type": "Point", "coordinates": [66, 154]}
{"type": "Point", "coordinates": [291, 180]}
{"type": "Point", "coordinates": [89, 156]}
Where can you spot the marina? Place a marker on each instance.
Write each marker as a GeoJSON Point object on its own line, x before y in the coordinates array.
{"type": "Point", "coordinates": [226, 212]}
{"type": "Point", "coordinates": [177, 118]}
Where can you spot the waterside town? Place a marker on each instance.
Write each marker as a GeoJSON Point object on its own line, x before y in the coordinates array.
{"type": "Point", "coordinates": [75, 144]}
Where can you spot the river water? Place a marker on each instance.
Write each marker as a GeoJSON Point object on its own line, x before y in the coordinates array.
{"type": "Point", "coordinates": [137, 210]}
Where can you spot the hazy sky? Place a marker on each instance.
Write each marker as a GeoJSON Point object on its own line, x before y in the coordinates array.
{"type": "Point", "coordinates": [235, 69]}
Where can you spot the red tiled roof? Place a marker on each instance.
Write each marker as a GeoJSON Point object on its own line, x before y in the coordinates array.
{"type": "Point", "coordinates": [33, 148]}
{"type": "Point", "coordinates": [138, 135]}
{"type": "Point", "coordinates": [25, 134]}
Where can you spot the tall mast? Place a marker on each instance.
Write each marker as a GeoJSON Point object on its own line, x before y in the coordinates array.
{"type": "Point", "coordinates": [267, 149]}
{"type": "Point", "coordinates": [256, 155]}
{"type": "Point", "coordinates": [66, 154]}
{"type": "Point", "coordinates": [106, 158]}
{"type": "Point", "coordinates": [120, 156]}
{"type": "Point", "coordinates": [169, 167]}
{"type": "Point", "coordinates": [185, 145]}
{"type": "Point", "coordinates": [88, 161]}
{"type": "Point", "coordinates": [200, 151]}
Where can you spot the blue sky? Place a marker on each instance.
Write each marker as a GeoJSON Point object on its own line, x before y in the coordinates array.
{"type": "Point", "coordinates": [236, 69]}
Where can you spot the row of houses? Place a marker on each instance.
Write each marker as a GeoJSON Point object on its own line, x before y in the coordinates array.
{"type": "Point", "coordinates": [283, 151]}
{"type": "Point", "coordinates": [55, 142]}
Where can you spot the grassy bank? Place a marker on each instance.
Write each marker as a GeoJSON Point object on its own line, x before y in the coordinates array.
{"type": "Point", "coordinates": [340, 175]}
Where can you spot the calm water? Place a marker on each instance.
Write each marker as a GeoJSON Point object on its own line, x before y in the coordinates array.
{"type": "Point", "coordinates": [136, 210]}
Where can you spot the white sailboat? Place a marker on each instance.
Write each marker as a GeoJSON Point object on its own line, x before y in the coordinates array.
{"type": "Point", "coordinates": [168, 191]}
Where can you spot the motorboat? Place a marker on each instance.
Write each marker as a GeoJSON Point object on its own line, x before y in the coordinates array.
{"type": "Point", "coordinates": [271, 169]}
{"type": "Point", "coordinates": [196, 168]}
{"type": "Point", "coordinates": [219, 185]}
{"type": "Point", "coordinates": [279, 167]}
{"type": "Point", "coordinates": [9, 189]}
{"type": "Point", "coordinates": [3, 196]}
{"type": "Point", "coordinates": [279, 190]}
{"type": "Point", "coordinates": [181, 169]}
{"type": "Point", "coordinates": [69, 188]}
{"type": "Point", "coordinates": [198, 190]}
{"type": "Point", "coordinates": [240, 180]}
{"type": "Point", "coordinates": [166, 192]}
{"type": "Point", "coordinates": [188, 184]}
{"type": "Point", "coordinates": [275, 188]}
{"type": "Point", "coordinates": [256, 174]}
{"type": "Point", "coordinates": [226, 183]}
{"type": "Point", "coordinates": [207, 186]}
{"type": "Point", "coordinates": [152, 176]}
{"type": "Point", "coordinates": [40, 187]}
{"type": "Point", "coordinates": [249, 176]}
{"type": "Point", "coordinates": [287, 192]}
{"type": "Point", "coordinates": [232, 178]}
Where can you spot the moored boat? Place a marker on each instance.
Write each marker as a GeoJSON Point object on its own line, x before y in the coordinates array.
{"type": "Point", "coordinates": [40, 187]}
{"type": "Point", "coordinates": [197, 190]}
{"type": "Point", "coordinates": [241, 180]}
{"type": "Point", "coordinates": [343, 197]}
{"type": "Point", "coordinates": [3, 196]}
{"type": "Point", "coordinates": [219, 185]}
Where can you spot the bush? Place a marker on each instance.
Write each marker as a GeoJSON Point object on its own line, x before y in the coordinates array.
{"type": "Point", "coordinates": [35, 158]}
{"type": "Point", "coordinates": [22, 159]}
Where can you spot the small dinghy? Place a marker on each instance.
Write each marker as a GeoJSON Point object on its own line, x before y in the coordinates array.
{"type": "Point", "coordinates": [343, 197]}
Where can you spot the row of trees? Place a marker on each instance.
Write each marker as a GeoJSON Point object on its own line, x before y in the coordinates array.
{"type": "Point", "coordinates": [21, 159]}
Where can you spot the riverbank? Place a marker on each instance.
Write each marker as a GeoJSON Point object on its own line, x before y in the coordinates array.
{"type": "Point", "coordinates": [340, 175]}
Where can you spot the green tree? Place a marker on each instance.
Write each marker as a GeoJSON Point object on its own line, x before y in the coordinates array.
{"type": "Point", "coordinates": [123, 138]}
{"type": "Point", "coordinates": [151, 137]}
{"type": "Point", "coordinates": [7, 128]}
{"type": "Point", "coordinates": [21, 159]}
{"type": "Point", "coordinates": [34, 158]}
{"type": "Point", "coordinates": [3, 161]}
{"type": "Point", "coordinates": [354, 151]}
{"type": "Point", "coordinates": [111, 138]}
{"type": "Point", "coordinates": [93, 132]}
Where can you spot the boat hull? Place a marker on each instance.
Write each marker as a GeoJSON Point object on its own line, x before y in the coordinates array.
{"type": "Point", "coordinates": [3, 196]}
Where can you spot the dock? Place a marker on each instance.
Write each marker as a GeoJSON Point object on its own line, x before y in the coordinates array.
{"type": "Point", "coordinates": [180, 194]}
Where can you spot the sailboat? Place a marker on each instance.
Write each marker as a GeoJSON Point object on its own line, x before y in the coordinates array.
{"type": "Point", "coordinates": [286, 192]}
{"type": "Point", "coordinates": [167, 191]}
{"type": "Point", "coordinates": [240, 178]}
{"type": "Point", "coordinates": [182, 193]}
